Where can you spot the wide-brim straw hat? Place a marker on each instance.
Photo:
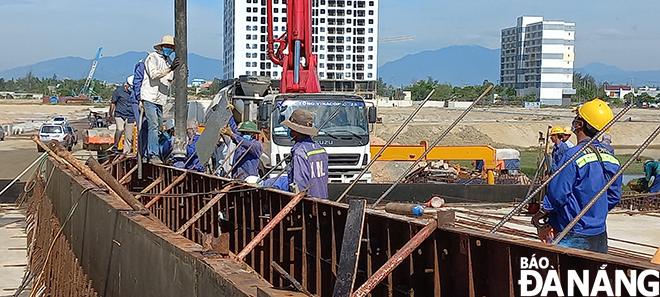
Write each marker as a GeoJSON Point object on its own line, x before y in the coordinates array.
{"type": "Point", "coordinates": [301, 121]}
{"type": "Point", "coordinates": [166, 40]}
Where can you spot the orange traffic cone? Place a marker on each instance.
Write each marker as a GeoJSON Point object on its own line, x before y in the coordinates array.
{"type": "Point", "coordinates": [656, 257]}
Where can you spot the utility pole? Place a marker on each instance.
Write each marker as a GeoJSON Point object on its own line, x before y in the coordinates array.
{"type": "Point", "coordinates": [180, 79]}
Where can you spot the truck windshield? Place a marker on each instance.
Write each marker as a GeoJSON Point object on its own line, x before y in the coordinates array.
{"type": "Point", "coordinates": [350, 121]}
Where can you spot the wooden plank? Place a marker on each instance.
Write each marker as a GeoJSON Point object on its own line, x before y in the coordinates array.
{"type": "Point", "coordinates": [350, 248]}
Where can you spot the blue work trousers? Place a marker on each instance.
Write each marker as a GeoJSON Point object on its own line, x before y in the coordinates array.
{"type": "Point", "coordinates": [655, 186]}
{"type": "Point", "coordinates": [154, 114]}
{"type": "Point", "coordinates": [594, 243]}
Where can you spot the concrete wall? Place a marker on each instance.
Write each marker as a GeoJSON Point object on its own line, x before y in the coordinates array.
{"type": "Point", "coordinates": [127, 254]}
{"type": "Point", "coordinates": [13, 192]}
{"type": "Point", "coordinates": [458, 105]}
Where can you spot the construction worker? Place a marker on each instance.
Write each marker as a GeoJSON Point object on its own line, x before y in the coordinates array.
{"type": "Point", "coordinates": [158, 76]}
{"type": "Point", "coordinates": [166, 142]}
{"type": "Point", "coordinates": [567, 137]}
{"type": "Point", "coordinates": [246, 134]}
{"type": "Point", "coordinates": [652, 169]}
{"type": "Point", "coordinates": [192, 135]}
{"type": "Point", "coordinates": [121, 113]}
{"type": "Point", "coordinates": [606, 140]}
{"type": "Point", "coordinates": [219, 155]}
{"type": "Point", "coordinates": [579, 182]}
{"type": "Point", "coordinates": [557, 136]}
{"type": "Point", "coordinates": [309, 161]}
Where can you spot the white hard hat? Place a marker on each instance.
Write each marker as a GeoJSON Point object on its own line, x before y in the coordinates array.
{"type": "Point", "coordinates": [129, 80]}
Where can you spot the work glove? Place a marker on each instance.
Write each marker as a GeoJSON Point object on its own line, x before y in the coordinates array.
{"type": "Point", "coordinates": [544, 231]}
{"type": "Point", "coordinates": [230, 106]}
{"type": "Point", "coordinates": [540, 218]}
{"type": "Point", "coordinates": [175, 64]}
{"type": "Point", "coordinates": [227, 131]}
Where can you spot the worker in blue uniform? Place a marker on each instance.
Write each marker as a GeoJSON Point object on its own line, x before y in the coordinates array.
{"type": "Point", "coordinates": [652, 169]}
{"type": "Point", "coordinates": [580, 181]}
{"type": "Point", "coordinates": [192, 135]}
{"type": "Point", "coordinates": [309, 160]}
{"type": "Point", "coordinates": [559, 147]}
{"type": "Point", "coordinates": [248, 133]}
{"type": "Point", "coordinates": [567, 137]}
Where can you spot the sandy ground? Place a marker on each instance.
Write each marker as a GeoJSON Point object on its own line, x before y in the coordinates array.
{"type": "Point", "coordinates": [20, 111]}
{"type": "Point", "coordinates": [504, 127]}
{"type": "Point", "coordinates": [621, 227]}
{"type": "Point", "coordinates": [13, 250]}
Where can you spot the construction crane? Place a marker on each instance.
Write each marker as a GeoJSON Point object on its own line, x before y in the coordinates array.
{"type": "Point", "coordinates": [396, 38]}
{"type": "Point", "coordinates": [86, 88]}
{"type": "Point", "coordinates": [299, 74]}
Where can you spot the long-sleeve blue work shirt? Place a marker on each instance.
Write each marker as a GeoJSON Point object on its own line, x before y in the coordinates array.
{"type": "Point", "coordinates": [557, 154]}
{"type": "Point", "coordinates": [653, 169]}
{"type": "Point", "coordinates": [191, 156]}
{"type": "Point", "coordinates": [249, 165]}
{"type": "Point", "coordinates": [574, 187]}
{"type": "Point", "coordinates": [309, 165]}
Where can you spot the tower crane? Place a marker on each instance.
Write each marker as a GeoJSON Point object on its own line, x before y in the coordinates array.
{"type": "Point", "coordinates": [85, 88]}
{"type": "Point", "coordinates": [396, 38]}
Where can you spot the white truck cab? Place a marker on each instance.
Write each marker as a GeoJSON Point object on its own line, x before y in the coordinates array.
{"type": "Point", "coordinates": [343, 122]}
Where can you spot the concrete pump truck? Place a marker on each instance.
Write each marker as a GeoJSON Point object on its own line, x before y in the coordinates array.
{"type": "Point", "coordinates": [343, 119]}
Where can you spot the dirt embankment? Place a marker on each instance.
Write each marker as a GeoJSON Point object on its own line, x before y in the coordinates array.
{"type": "Point", "coordinates": [22, 111]}
{"type": "Point", "coordinates": [504, 127]}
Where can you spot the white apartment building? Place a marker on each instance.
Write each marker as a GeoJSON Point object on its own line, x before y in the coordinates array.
{"type": "Point", "coordinates": [345, 39]}
{"type": "Point", "coordinates": [537, 58]}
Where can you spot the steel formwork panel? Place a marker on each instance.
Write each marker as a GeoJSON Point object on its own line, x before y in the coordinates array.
{"type": "Point", "coordinates": [453, 261]}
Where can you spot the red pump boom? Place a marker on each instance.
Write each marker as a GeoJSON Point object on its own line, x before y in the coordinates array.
{"type": "Point", "coordinates": [299, 73]}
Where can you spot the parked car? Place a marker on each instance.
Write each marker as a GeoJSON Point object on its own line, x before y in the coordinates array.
{"type": "Point", "coordinates": [60, 121]}
{"type": "Point", "coordinates": [74, 134]}
{"type": "Point", "coordinates": [2, 133]}
{"type": "Point", "coordinates": [50, 132]}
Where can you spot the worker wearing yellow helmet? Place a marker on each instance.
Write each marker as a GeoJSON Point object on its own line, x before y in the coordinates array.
{"type": "Point", "coordinates": [580, 181]}
{"type": "Point", "coordinates": [557, 137]}
{"type": "Point", "coordinates": [567, 137]}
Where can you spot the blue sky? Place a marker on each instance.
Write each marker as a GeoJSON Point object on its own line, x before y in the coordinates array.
{"type": "Point", "coordinates": [619, 33]}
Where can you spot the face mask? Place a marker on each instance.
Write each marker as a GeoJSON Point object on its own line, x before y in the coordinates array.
{"type": "Point", "coordinates": [248, 137]}
{"type": "Point", "coordinates": [130, 89]}
{"type": "Point", "coordinates": [573, 128]}
{"type": "Point", "coordinates": [167, 51]}
{"type": "Point", "coordinates": [288, 133]}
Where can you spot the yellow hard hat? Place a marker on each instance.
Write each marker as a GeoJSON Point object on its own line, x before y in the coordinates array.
{"type": "Point", "coordinates": [567, 130]}
{"type": "Point", "coordinates": [596, 113]}
{"type": "Point", "coordinates": [556, 130]}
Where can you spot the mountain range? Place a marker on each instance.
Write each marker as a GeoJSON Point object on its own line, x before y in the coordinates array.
{"type": "Point", "coordinates": [472, 64]}
{"type": "Point", "coordinates": [457, 65]}
{"type": "Point", "coordinates": [110, 69]}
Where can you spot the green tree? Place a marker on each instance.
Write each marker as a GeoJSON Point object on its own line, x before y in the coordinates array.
{"type": "Point", "coordinates": [442, 92]}
{"type": "Point", "coordinates": [530, 97]}
{"type": "Point", "coordinates": [421, 88]}
{"type": "Point", "coordinates": [510, 92]}
{"type": "Point", "coordinates": [645, 97]}
{"type": "Point", "coordinates": [215, 86]}
{"type": "Point", "coordinates": [629, 97]}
